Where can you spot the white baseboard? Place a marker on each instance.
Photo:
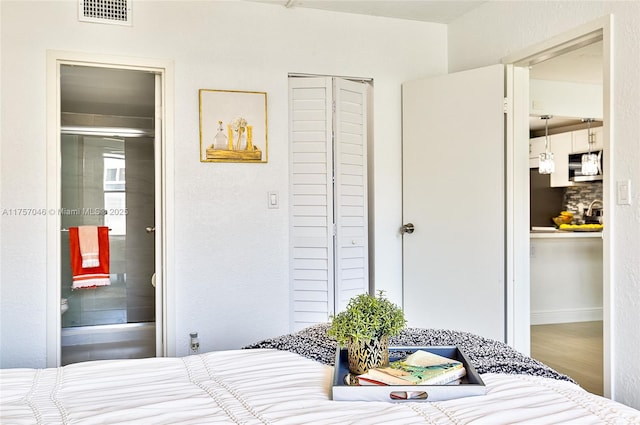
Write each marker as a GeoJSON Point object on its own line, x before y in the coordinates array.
{"type": "Point", "coordinates": [566, 316]}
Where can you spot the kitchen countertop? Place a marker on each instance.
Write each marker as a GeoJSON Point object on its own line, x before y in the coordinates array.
{"type": "Point", "coordinates": [558, 234]}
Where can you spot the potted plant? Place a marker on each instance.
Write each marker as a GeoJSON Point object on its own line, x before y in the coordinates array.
{"type": "Point", "coordinates": [364, 328]}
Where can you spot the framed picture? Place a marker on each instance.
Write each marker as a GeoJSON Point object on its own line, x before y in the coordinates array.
{"type": "Point", "coordinates": [233, 126]}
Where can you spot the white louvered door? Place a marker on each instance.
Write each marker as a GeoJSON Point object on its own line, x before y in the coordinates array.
{"type": "Point", "coordinates": [350, 191]}
{"type": "Point", "coordinates": [327, 196]}
{"type": "Point", "coordinates": [311, 200]}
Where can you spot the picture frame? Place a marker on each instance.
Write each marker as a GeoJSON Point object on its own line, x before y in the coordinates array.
{"type": "Point", "coordinates": [233, 126]}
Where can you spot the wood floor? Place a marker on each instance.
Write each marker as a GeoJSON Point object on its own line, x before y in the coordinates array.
{"type": "Point", "coordinates": [574, 349]}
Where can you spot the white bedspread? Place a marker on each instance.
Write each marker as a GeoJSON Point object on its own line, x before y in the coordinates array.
{"type": "Point", "coordinates": [269, 387]}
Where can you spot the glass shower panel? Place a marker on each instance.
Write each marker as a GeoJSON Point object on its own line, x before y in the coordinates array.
{"type": "Point", "coordinates": [87, 165]}
{"type": "Point", "coordinates": [95, 191]}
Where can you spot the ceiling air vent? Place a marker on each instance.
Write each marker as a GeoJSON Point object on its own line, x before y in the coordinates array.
{"type": "Point", "coordinates": [105, 11]}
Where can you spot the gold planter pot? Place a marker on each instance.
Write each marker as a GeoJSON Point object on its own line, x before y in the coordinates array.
{"type": "Point", "coordinates": [364, 355]}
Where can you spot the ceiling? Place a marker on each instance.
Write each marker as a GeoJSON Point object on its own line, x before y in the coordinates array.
{"type": "Point", "coordinates": [438, 11]}
{"type": "Point", "coordinates": [107, 91]}
{"type": "Point", "coordinates": [582, 65]}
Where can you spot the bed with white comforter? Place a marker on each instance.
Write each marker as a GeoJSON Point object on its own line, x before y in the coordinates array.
{"type": "Point", "coordinates": [273, 386]}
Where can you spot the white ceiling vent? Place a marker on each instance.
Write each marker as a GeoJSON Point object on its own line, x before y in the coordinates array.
{"type": "Point", "coordinates": [105, 11]}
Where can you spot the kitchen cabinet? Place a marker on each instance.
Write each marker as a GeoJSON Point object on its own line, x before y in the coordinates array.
{"type": "Point", "coordinates": [581, 140]}
{"type": "Point", "coordinates": [566, 277]}
{"type": "Point", "coordinates": [561, 145]}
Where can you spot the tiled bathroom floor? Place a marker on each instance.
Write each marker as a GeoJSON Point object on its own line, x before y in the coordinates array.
{"type": "Point", "coordinates": [130, 341]}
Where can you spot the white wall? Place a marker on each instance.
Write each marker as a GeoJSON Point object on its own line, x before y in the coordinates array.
{"type": "Point", "coordinates": [231, 273]}
{"type": "Point", "coordinates": [497, 29]}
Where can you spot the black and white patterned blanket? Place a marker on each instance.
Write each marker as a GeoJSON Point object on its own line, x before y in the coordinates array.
{"type": "Point", "coordinates": [486, 355]}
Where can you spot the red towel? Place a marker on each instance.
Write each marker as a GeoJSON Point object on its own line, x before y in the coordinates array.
{"type": "Point", "coordinates": [89, 277]}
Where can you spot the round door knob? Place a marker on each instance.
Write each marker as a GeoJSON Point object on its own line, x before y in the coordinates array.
{"type": "Point", "coordinates": [150, 229]}
{"type": "Point", "coordinates": [407, 228]}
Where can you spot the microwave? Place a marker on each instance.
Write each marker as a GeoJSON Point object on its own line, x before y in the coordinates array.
{"type": "Point", "coordinates": [575, 168]}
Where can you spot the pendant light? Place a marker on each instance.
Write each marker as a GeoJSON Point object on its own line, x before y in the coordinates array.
{"type": "Point", "coordinates": [589, 160]}
{"type": "Point", "coordinates": [546, 164]}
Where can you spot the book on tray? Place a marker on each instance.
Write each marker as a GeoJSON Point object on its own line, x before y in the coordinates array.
{"type": "Point", "coordinates": [419, 368]}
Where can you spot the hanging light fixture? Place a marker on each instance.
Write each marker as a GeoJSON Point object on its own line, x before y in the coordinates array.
{"type": "Point", "coordinates": [546, 165]}
{"type": "Point", "coordinates": [589, 160]}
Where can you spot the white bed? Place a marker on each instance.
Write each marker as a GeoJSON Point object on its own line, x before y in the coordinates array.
{"type": "Point", "coordinates": [269, 386]}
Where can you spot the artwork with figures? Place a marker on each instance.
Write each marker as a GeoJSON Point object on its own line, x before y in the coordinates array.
{"type": "Point", "coordinates": [233, 126]}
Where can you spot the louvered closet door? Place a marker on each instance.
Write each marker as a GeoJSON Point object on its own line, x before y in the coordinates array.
{"type": "Point", "coordinates": [311, 200]}
{"type": "Point", "coordinates": [326, 272]}
{"type": "Point", "coordinates": [350, 187]}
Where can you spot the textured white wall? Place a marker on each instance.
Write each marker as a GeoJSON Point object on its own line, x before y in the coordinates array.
{"type": "Point", "coordinates": [497, 29]}
{"type": "Point", "coordinates": [231, 273]}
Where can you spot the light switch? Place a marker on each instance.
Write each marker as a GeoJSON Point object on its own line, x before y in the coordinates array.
{"type": "Point", "coordinates": [623, 195]}
{"type": "Point", "coordinates": [273, 200]}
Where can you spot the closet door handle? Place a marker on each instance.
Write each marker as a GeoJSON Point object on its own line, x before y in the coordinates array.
{"type": "Point", "coordinates": [150, 229]}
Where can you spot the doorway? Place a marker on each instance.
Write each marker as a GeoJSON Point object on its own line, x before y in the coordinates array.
{"type": "Point", "coordinates": [107, 180]}
{"type": "Point", "coordinates": [566, 328]}
{"type": "Point", "coordinates": [108, 141]}
{"type": "Point", "coordinates": [515, 225]}
{"type": "Point", "coordinates": [519, 207]}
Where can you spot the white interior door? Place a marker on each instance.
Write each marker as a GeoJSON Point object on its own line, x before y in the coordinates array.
{"type": "Point", "coordinates": [454, 195]}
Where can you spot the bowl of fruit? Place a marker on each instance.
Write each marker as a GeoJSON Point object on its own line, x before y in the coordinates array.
{"type": "Point", "coordinates": [565, 217]}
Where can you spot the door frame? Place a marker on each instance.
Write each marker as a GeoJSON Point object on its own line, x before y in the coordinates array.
{"type": "Point", "coordinates": [518, 285]}
{"type": "Point", "coordinates": [164, 166]}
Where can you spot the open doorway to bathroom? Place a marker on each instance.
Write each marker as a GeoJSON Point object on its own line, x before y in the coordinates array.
{"type": "Point", "coordinates": [107, 165]}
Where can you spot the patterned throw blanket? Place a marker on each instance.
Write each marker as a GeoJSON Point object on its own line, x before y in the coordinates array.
{"type": "Point", "coordinates": [486, 355]}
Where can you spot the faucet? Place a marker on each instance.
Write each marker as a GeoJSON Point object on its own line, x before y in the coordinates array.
{"type": "Point", "coordinates": [590, 209]}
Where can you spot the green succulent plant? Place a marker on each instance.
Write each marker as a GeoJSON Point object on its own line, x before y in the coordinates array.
{"type": "Point", "coordinates": [367, 317]}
